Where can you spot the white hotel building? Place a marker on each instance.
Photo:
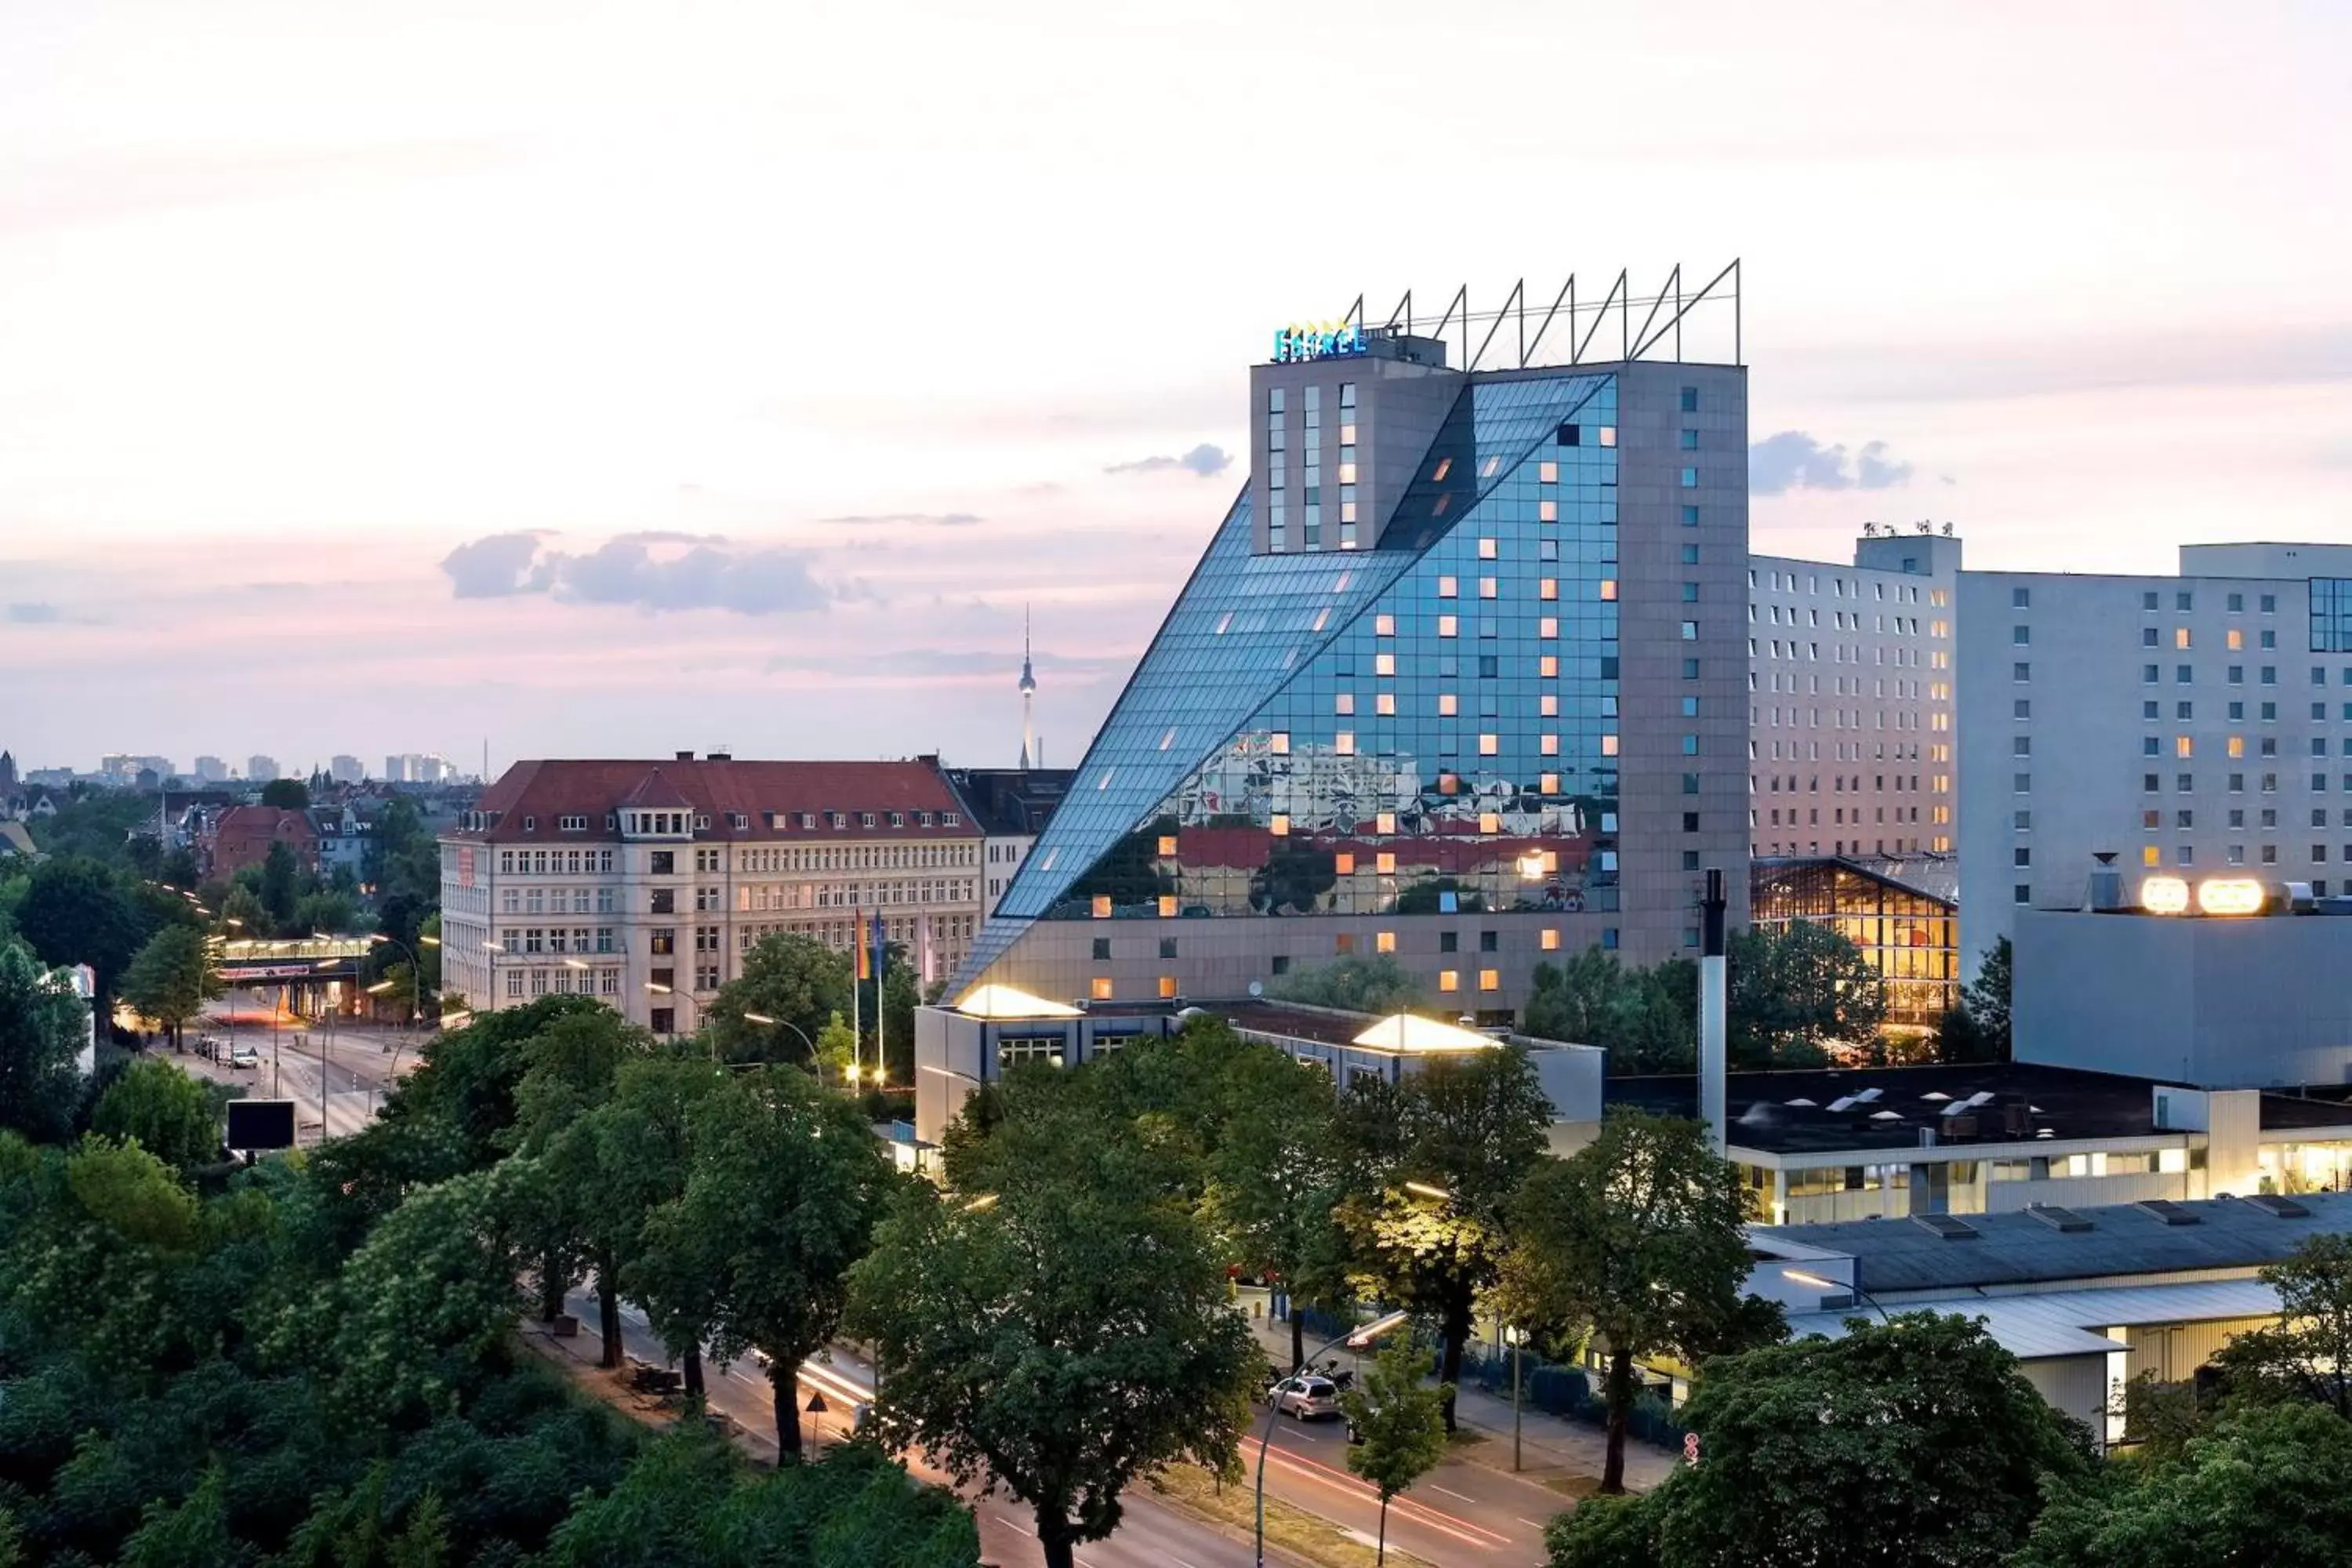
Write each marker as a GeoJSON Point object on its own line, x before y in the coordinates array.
{"type": "Point", "coordinates": [611, 878]}
{"type": "Point", "coordinates": [1851, 708]}
{"type": "Point", "coordinates": [2191, 725]}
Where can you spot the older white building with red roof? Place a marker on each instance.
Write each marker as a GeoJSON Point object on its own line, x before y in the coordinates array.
{"type": "Point", "coordinates": [612, 878]}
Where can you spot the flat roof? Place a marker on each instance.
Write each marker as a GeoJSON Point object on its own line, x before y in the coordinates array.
{"type": "Point", "coordinates": [1789, 1112]}
{"type": "Point", "coordinates": [2020, 1249]}
{"type": "Point", "coordinates": [2070, 1322]}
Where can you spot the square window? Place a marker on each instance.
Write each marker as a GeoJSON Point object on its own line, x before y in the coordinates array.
{"type": "Point", "coordinates": [1690, 476]}
{"type": "Point", "coordinates": [1690, 440]}
{"type": "Point", "coordinates": [1690, 517]}
{"type": "Point", "coordinates": [1690, 399]}
{"type": "Point", "coordinates": [2020, 598]}
{"type": "Point", "coordinates": [1449, 979]}
{"type": "Point", "coordinates": [1490, 980]}
{"type": "Point", "coordinates": [1449, 941]}
{"type": "Point", "coordinates": [1102, 948]}
{"type": "Point", "coordinates": [2022, 893]}
{"type": "Point", "coordinates": [2021, 672]}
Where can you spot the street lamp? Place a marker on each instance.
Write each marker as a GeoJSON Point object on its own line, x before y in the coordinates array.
{"type": "Point", "coordinates": [783, 1024]}
{"type": "Point", "coordinates": [1821, 1282]}
{"type": "Point", "coordinates": [415, 973]}
{"type": "Point", "coordinates": [1355, 1340]}
{"type": "Point", "coordinates": [658, 989]}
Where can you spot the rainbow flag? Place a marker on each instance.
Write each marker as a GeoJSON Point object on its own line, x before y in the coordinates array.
{"type": "Point", "coordinates": [858, 941]}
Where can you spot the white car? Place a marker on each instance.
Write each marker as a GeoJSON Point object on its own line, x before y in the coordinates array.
{"type": "Point", "coordinates": [1307, 1399]}
{"type": "Point", "coordinates": [244, 1057]}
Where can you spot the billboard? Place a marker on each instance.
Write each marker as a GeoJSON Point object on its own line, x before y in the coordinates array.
{"type": "Point", "coordinates": [260, 1124]}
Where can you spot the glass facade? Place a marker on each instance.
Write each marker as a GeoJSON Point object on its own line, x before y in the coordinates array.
{"type": "Point", "coordinates": [1910, 937]}
{"type": "Point", "coordinates": [2331, 615]}
{"type": "Point", "coordinates": [1430, 726]}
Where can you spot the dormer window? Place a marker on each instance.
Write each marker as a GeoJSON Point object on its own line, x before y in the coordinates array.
{"type": "Point", "coordinates": [865, 819]}
{"type": "Point", "coordinates": [738, 820]}
{"type": "Point", "coordinates": [531, 825]}
{"type": "Point", "coordinates": [922, 819]}
{"type": "Point", "coordinates": [572, 824]}
{"type": "Point", "coordinates": [840, 818]}
{"type": "Point", "coordinates": [702, 822]}
{"type": "Point", "coordinates": [808, 819]}
{"type": "Point", "coordinates": [951, 820]}
{"type": "Point", "coordinates": [897, 819]}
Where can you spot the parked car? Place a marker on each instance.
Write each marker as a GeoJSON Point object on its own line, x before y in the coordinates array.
{"type": "Point", "coordinates": [1306, 1399]}
{"type": "Point", "coordinates": [245, 1057]}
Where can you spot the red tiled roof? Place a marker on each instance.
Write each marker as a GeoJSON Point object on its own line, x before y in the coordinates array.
{"type": "Point", "coordinates": [544, 792]}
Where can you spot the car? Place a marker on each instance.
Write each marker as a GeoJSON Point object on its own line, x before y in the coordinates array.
{"type": "Point", "coordinates": [245, 1057]}
{"type": "Point", "coordinates": [1307, 1399]}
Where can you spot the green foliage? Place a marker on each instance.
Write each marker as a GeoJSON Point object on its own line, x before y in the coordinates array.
{"type": "Point", "coordinates": [194, 1534]}
{"type": "Point", "coordinates": [281, 883]}
{"type": "Point", "coordinates": [1637, 1239]}
{"type": "Point", "coordinates": [794, 979]}
{"type": "Point", "coordinates": [786, 1183]}
{"type": "Point", "coordinates": [77, 911]}
{"type": "Point", "coordinates": [1605, 1532]}
{"type": "Point", "coordinates": [287, 794]}
{"type": "Point", "coordinates": [2307, 1353]}
{"type": "Point", "coordinates": [404, 862]}
{"type": "Point", "coordinates": [1068, 1337]}
{"type": "Point", "coordinates": [1400, 1421]}
{"type": "Point", "coordinates": [1987, 998]}
{"type": "Point", "coordinates": [173, 977]}
{"type": "Point", "coordinates": [41, 1034]}
{"type": "Point", "coordinates": [1903, 1444]}
{"type": "Point", "coordinates": [98, 826]}
{"type": "Point", "coordinates": [1647, 1019]}
{"type": "Point", "coordinates": [334, 913]}
{"type": "Point", "coordinates": [1794, 990]}
{"type": "Point", "coordinates": [1356, 985]}
{"type": "Point", "coordinates": [2267, 1485]}
{"type": "Point", "coordinates": [172, 1115]}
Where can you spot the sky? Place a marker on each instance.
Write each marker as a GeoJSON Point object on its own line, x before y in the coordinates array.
{"type": "Point", "coordinates": [595, 379]}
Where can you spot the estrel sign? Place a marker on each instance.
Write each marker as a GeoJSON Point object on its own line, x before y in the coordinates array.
{"type": "Point", "coordinates": [1328, 340]}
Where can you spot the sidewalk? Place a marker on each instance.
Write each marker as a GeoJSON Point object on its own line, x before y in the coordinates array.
{"type": "Point", "coordinates": [1551, 1446]}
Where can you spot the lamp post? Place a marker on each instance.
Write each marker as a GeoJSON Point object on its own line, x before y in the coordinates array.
{"type": "Point", "coordinates": [415, 976]}
{"type": "Point", "coordinates": [658, 989]}
{"type": "Point", "coordinates": [1519, 1340]}
{"type": "Point", "coordinates": [1355, 1340]}
{"type": "Point", "coordinates": [1824, 1283]}
{"type": "Point", "coordinates": [491, 989]}
{"type": "Point", "coordinates": [782, 1023]}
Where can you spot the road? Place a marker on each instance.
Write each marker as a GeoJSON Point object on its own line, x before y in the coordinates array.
{"type": "Point", "coordinates": [358, 1062]}
{"type": "Point", "coordinates": [1461, 1513]}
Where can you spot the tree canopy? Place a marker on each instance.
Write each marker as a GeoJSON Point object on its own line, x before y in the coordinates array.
{"type": "Point", "coordinates": [173, 1117]}
{"type": "Point", "coordinates": [1399, 1425]}
{"type": "Point", "coordinates": [1794, 990]}
{"type": "Point", "coordinates": [41, 1034]}
{"type": "Point", "coordinates": [172, 977]}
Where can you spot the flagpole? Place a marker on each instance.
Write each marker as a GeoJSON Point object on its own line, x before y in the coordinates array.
{"type": "Point", "coordinates": [881, 958]}
{"type": "Point", "coordinates": [856, 994]}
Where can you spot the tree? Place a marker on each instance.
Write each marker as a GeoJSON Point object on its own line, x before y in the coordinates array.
{"type": "Point", "coordinates": [1436, 1165]}
{"type": "Point", "coordinates": [41, 1035]}
{"type": "Point", "coordinates": [171, 978]}
{"type": "Point", "coordinates": [74, 911]}
{"type": "Point", "coordinates": [1401, 1423]}
{"type": "Point", "coordinates": [2266, 1485]}
{"type": "Point", "coordinates": [1647, 1019]}
{"type": "Point", "coordinates": [287, 794]}
{"type": "Point", "coordinates": [1986, 1000]}
{"type": "Point", "coordinates": [324, 910]}
{"type": "Point", "coordinates": [796, 980]}
{"type": "Point", "coordinates": [1375, 984]}
{"type": "Point", "coordinates": [1793, 991]}
{"type": "Point", "coordinates": [572, 1064]}
{"type": "Point", "coordinates": [785, 1187]}
{"type": "Point", "coordinates": [643, 1155]}
{"type": "Point", "coordinates": [1065, 1338]}
{"type": "Point", "coordinates": [2307, 1353]}
{"type": "Point", "coordinates": [1926, 1418]}
{"type": "Point", "coordinates": [194, 1535]}
{"type": "Point", "coordinates": [1573, 1001]}
{"type": "Point", "coordinates": [164, 1110]}
{"type": "Point", "coordinates": [281, 883]}
{"type": "Point", "coordinates": [1637, 1239]}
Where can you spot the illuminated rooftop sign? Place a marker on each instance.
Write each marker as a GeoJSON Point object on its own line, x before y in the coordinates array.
{"type": "Point", "coordinates": [1331, 340]}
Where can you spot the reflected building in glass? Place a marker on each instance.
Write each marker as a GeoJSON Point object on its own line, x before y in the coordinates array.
{"type": "Point", "coordinates": [1460, 679]}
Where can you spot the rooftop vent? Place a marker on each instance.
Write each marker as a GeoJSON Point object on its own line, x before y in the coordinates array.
{"type": "Point", "coordinates": [1950, 1228]}
{"type": "Point", "coordinates": [686, 756]}
{"type": "Point", "coordinates": [2167, 1211]}
{"type": "Point", "coordinates": [2279, 1207]}
{"type": "Point", "coordinates": [2059, 1219]}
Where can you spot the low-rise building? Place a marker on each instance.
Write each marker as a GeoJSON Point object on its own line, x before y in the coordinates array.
{"type": "Point", "coordinates": [646, 883]}
{"type": "Point", "coordinates": [1903, 914]}
{"type": "Point", "coordinates": [242, 835]}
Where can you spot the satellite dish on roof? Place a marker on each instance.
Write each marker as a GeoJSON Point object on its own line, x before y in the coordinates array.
{"type": "Point", "coordinates": [1257, 987]}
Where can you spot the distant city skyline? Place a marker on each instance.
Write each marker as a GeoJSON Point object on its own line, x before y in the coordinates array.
{"type": "Point", "coordinates": [402, 377]}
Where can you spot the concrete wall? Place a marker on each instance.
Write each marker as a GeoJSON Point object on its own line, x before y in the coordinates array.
{"type": "Point", "coordinates": [2222, 1003]}
{"type": "Point", "coordinates": [2074, 1385]}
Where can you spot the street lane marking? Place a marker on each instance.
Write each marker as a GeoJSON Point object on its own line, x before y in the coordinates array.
{"type": "Point", "coordinates": [1530, 1523]}
{"type": "Point", "coordinates": [1461, 1530]}
{"type": "Point", "coordinates": [1452, 1493]}
{"type": "Point", "coordinates": [1010, 1524]}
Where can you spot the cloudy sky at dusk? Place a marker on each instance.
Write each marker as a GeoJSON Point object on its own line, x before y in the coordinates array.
{"type": "Point", "coordinates": [613, 378]}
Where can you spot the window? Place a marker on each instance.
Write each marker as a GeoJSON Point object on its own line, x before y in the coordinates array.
{"type": "Point", "coordinates": [2020, 635]}
{"type": "Point", "coordinates": [2147, 637]}
{"type": "Point", "coordinates": [2021, 892]}
{"type": "Point", "coordinates": [2021, 672]}
{"type": "Point", "coordinates": [1690, 399]}
{"type": "Point", "coordinates": [2020, 598]}
{"type": "Point", "coordinates": [1449, 979]}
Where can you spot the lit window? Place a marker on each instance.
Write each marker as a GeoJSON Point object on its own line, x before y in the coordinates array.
{"type": "Point", "coordinates": [2237, 745]}
{"type": "Point", "coordinates": [1549, 705]}
{"type": "Point", "coordinates": [1344, 743]}
{"type": "Point", "coordinates": [2183, 746]}
{"type": "Point", "coordinates": [1347, 473]}
{"type": "Point", "coordinates": [1448, 704]}
{"type": "Point", "coordinates": [1385, 704]}
{"type": "Point", "coordinates": [1546, 665]}
{"type": "Point", "coordinates": [2150, 855]}
{"type": "Point", "coordinates": [1344, 862]}
{"type": "Point", "coordinates": [1102, 906]}
{"type": "Point", "coordinates": [1167, 906]}
{"type": "Point", "coordinates": [1449, 979]}
{"type": "Point", "coordinates": [1166, 986]}
{"type": "Point", "coordinates": [1488, 587]}
{"type": "Point", "coordinates": [1167, 844]}
{"type": "Point", "coordinates": [1548, 473]}
{"type": "Point", "coordinates": [1608, 588]}
{"type": "Point", "coordinates": [1344, 702]}
{"type": "Point", "coordinates": [1549, 783]}
{"type": "Point", "coordinates": [1487, 550]}
{"type": "Point", "coordinates": [1550, 940]}
{"type": "Point", "coordinates": [1446, 587]}
{"type": "Point", "coordinates": [2181, 636]}
{"type": "Point", "coordinates": [2237, 639]}
{"type": "Point", "coordinates": [1546, 511]}
{"type": "Point", "coordinates": [1608, 434]}
{"type": "Point", "coordinates": [1383, 664]}
{"type": "Point", "coordinates": [1548, 626]}
{"type": "Point", "coordinates": [1279, 828]}
{"type": "Point", "coordinates": [1551, 746]}
{"type": "Point", "coordinates": [1384, 822]}
{"type": "Point", "coordinates": [1278, 743]}
{"type": "Point", "coordinates": [1489, 746]}
{"type": "Point", "coordinates": [1437, 475]}
{"type": "Point", "coordinates": [1384, 625]}
{"type": "Point", "coordinates": [1446, 626]}
{"type": "Point", "coordinates": [1384, 941]}
{"type": "Point", "coordinates": [1490, 980]}
{"type": "Point", "coordinates": [1490, 822]}
{"type": "Point", "coordinates": [1384, 864]}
